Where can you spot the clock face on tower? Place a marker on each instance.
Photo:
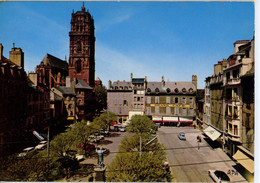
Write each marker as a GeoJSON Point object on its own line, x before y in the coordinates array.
{"type": "Point", "coordinates": [82, 46]}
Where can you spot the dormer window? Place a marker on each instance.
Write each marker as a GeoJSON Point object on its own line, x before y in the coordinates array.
{"type": "Point", "coordinates": [176, 90]}
{"type": "Point", "coordinates": [190, 90]}
{"type": "Point", "coordinates": [116, 87]}
{"type": "Point", "coordinates": [148, 90]}
{"type": "Point", "coordinates": [168, 90]}
{"type": "Point", "coordinates": [126, 88]}
{"type": "Point", "coordinates": [157, 90]}
{"type": "Point", "coordinates": [184, 90]}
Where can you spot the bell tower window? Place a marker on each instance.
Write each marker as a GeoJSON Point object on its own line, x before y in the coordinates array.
{"type": "Point", "coordinates": [78, 66]}
{"type": "Point", "coordinates": [79, 47]}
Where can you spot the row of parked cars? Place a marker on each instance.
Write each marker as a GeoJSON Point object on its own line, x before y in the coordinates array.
{"type": "Point", "coordinates": [42, 145]}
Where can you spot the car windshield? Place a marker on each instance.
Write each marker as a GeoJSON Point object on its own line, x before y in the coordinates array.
{"type": "Point", "coordinates": [222, 175]}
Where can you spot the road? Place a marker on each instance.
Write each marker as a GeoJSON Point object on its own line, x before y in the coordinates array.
{"type": "Point", "coordinates": [190, 164]}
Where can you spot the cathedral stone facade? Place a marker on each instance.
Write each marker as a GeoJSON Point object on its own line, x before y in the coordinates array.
{"type": "Point", "coordinates": [82, 47]}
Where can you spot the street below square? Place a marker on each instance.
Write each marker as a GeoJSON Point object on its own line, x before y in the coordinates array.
{"type": "Point", "coordinates": [188, 162]}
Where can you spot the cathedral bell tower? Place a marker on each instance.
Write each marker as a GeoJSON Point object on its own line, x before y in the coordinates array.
{"type": "Point", "coordinates": [82, 47]}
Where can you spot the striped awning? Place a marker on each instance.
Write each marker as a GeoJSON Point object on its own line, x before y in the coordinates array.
{"type": "Point", "coordinates": [244, 160]}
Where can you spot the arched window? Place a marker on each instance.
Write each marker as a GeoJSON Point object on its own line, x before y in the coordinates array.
{"type": "Point", "coordinates": [78, 66]}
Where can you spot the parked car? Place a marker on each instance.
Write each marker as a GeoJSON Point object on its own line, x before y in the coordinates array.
{"type": "Point", "coordinates": [93, 139]}
{"type": "Point", "coordinates": [219, 176]}
{"type": "Point", "coordinates": [104, 132]}
{"type": "Point", "coordinates": [122, 129]}
{"type": "Point", "coordinates": [182, 136]}
{"type": "Point", "coordinates": [25, 152]}
{"type": "Point", "coordinates": [90, 147]}
{"type": "Point", "coordinates": [42, 145]}
{"type": "Point", "coordinates": [79, 157]}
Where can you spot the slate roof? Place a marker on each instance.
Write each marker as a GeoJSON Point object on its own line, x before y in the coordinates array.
{"type": "Point", "coordinates": [66, 90]}
{"type": "Point", "coordinates": [138, 80]}
{"type": "Point", "coordinates": [122, 84]}
{"type": "Point", "coordinates": [7, 61]}
{"type": "Point", "coordinates": [82, 84]}
{"type": "Point", "coordinates": [170, 85]}
{"type": "Point", "coordinates": [53, 61]}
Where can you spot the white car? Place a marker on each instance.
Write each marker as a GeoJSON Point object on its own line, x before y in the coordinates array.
{"type": "Point", "coordinates": [122, 129]}
{"type": "Point", "coordinates": [219, 176]}
{"type": "Point", "coordinates": [25, 151]}
{"type": "Point", "coordinates": [42, 145]}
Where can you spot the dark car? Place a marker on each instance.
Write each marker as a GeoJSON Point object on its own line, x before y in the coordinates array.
{"type": "Point", "coordinates": [182, 136]}
{"type": "Point", "coordinates": [219, 176]}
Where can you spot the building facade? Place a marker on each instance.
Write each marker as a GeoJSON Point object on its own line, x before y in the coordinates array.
{"type": "Point", "coordinates": [229, 94]}
{"type": "Point", "coordinates": [119, 99]}
{"type": "Point", "coordinates": [82, 47]}
{"type": "Point", "coordinates": [52, 71]}
{"type": "Point", "coordinates": [170, 103]}
{"type": "Point", "coordinates": [238, 65]}
{"type": "Point", "coordinates": [24, 106]}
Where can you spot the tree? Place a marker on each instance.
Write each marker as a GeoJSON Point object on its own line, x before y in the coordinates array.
{"type": "Point", "coordinates": [128, 166]}
{"type": "Point", "coordinates": [105, 119]}
{"type": "Point", "coordinates": [82, 130]}
{"type": "Point", "coordinates": [62, 143]}
{"type": "Point", "coordinates": [141, 124]}
{"type": "Point", "coordinates": [101, 98]}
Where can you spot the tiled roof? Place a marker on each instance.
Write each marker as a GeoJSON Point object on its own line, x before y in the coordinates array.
{"type": "Point", "coordinates": [54, 62]}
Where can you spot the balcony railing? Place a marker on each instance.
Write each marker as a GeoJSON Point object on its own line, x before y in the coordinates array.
{"type": "Point", "coordinates": [233, 81]}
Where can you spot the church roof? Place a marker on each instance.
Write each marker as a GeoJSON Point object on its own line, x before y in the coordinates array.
{"type": "Point", "coordinates": [82, 84]}
{"type": "Point", "coordinates": [53, 61]}
{"type": "Point", "coordinates": [66, 90]}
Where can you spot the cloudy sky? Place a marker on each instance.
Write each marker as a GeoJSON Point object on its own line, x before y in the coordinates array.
{"type": "Point", "coordinates": [153, 39]}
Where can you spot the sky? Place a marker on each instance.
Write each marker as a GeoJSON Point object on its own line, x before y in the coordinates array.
{"type": "Point", "coordinates": [154, 39]}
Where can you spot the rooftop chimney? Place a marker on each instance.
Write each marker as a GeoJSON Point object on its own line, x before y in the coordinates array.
{"type": "Point", "coordinates": [16, 55]}
{"type": "Point", "coordinates": [194, 80]}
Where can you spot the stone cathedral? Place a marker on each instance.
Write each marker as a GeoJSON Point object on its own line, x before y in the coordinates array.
{"type": "Point", "coordinates": [82, 47]}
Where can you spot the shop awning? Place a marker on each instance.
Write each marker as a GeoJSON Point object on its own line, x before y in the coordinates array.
{"type": "Point", "coordinates": [70, 118]}
{"type": "Point", "coordinates": [183, 119]}
{"type": "Point", "coordinates": [244, 160]}
{"type": "Point", "coordinates": [212, 133]}
{"type": "Point", "coordinates": [38, 135]}
{"type": "Point", "coordinates": [159, 119]}
{"type": "Point", "coordinates": [170, 119]}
